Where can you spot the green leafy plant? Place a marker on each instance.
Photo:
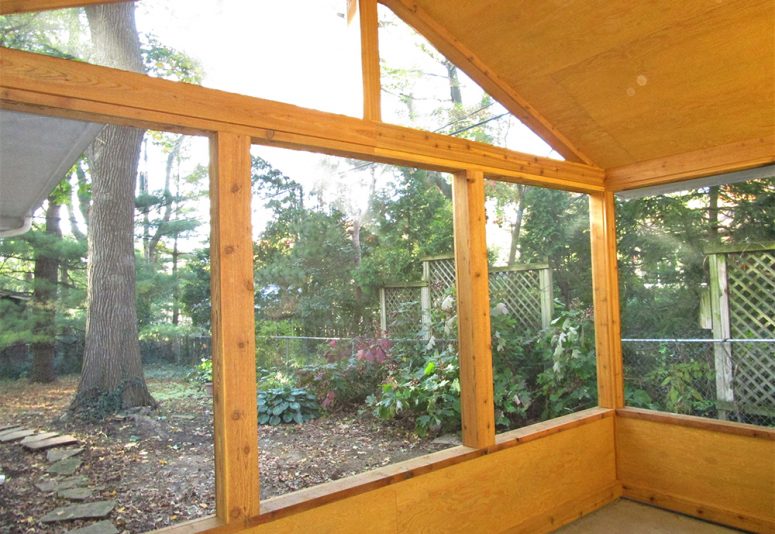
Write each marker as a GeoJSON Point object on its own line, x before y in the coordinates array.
{"type": "Point", "coordinates": [568, 383]}
{"type": "Point", "coordinates": [428, 395]}
{"type": "Point", "coordinates": [203, 372]}
{"type": "Point", "coordinates": [286, 405]}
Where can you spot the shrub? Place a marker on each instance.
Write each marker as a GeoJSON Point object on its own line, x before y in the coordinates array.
{"type": "Point", "coordinates": [203, 372]}
{"type": "Point", "coordinates": [286, 405]}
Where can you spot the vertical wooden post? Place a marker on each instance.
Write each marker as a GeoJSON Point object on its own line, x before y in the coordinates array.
{"type": "Point", "coordinates": [425, 300]}
{"type": "Point", "coordinates": [473, 310]}
{"type": "Point", "coordinates": [605, 289]}
{"type": "Point", "coordinates": [233, 331]}
{"type": "Point", "coordinates": [382, 312]}
{"type": "Point", "coordinates": [547, 296]}
{"type": "Point", "coordinates": [362, 15]}
{"type": "Point", "coordinates": [722, 351]}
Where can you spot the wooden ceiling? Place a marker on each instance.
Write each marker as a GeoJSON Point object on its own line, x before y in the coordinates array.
{"type": "Point", "coordinates": [620, 82]}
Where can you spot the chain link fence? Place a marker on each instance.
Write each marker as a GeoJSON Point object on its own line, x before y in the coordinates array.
{"type": "Point", "coordinates": [702, 377]}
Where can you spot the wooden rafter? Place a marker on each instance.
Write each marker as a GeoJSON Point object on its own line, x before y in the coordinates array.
{"type": "Point", "coordinates": [478, 71]}
{"type": "Point", "coordinates": [56, 86]}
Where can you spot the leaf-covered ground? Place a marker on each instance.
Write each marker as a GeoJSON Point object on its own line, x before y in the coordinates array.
{"type": "Point", "coordinates": [158, 465]}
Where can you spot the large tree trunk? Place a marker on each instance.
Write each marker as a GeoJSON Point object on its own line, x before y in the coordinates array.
{"type": "Point", "coordinates": [516, 228]}
{"type": "Point", "coordinates": [112, 365]}
{"type": "Point", "coordinates": [44, 300]}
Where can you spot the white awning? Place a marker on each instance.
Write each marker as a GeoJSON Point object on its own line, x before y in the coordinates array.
{"type": "Point", "coordinates": [35, 154]}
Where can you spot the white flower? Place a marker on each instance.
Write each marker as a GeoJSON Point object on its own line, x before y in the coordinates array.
{"type": "Point", "coordinates": [431, 343]}
{"type": "Point", "coordinates": [499, 309]}
{"type": "Point", "coordinates": [448, 303]}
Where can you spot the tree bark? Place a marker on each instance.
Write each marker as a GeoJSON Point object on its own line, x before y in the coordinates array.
{"type": "Point", "coordinates": [112, 364]}
{"type": "Point", "coordinates": [44, 300]}
{"type": "Point", "coordinates": [516, 228]}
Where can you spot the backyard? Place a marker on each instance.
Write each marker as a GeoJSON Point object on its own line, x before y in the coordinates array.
{"type": "Point", "coordinates": [158, 465]}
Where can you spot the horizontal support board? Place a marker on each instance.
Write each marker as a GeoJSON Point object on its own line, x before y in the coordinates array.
{"type": "Point", "coordinates": [35, 83]}
{"type": "Point", "coordinates": [732, 157]}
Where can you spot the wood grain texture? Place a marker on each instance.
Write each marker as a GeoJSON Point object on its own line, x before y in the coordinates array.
{"type": "Point", "coordinates": [234, 355]}
{"type": "Point", "coordinates": [8, 7]}
{"type": "Point", "coordinates": [513, 490]}
{"type": "Point", "coordinates": [68, 88]}
{"type": "Point", "coordinates": [627, 82]}
{"type": "Point", "coordinates": [737, 156]}
{"type": "Point", "coordinates": [473, 310]}
{"type": "Point", "coordinates": [487, 78]}
{"type": "Point", "coordinates": [703, 423]}
{"type": "Point", "coordinates": [362, 17]}
{"type": "Point", "coordinates": [605, 294]}
{"type": "Point", "coordinates": [702, 472]}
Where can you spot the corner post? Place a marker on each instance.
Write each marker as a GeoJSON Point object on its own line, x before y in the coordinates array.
{"type": "Point", "coordinates": [233, 331]}
{"type": "Point", "coordinates": [605, 287]}
{"type": "Point", "coordinates": [473, 310]}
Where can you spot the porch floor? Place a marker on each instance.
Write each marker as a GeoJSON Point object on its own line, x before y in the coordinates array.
{"type": "Point", "coordinates": [635, 518]}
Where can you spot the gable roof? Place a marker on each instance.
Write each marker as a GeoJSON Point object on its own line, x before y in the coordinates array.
{"type": "Point", "coordinates": [621, 82]}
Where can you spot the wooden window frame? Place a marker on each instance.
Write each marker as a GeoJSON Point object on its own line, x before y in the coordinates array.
{"type": "Point", "coordinates": [51, 86]}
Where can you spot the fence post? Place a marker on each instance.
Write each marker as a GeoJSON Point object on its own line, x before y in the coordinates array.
{"type": "Point", "coordinates": [547, 298]}
{"type": "Point", "coordinates": [382, 312]}
{"type": "Point", "coordinates": [425, 299]}
{"type": "Point", "coordinates": [722, 351]}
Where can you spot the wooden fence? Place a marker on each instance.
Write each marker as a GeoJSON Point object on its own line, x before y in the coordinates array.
{"type": "Point", "coordinates": [742, 305]}
{"type": "Point", "coordinates": [525, 289]}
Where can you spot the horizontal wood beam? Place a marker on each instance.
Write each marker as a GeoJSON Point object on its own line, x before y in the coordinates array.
{"type": "Point", "coordinates": [50, 85]}
{"type": "Point", "coordinates": [732, 157]}
{"type": "Point", "coordinates": [478, 71]}
{"type": "Point", "coordinates": [8, 7]}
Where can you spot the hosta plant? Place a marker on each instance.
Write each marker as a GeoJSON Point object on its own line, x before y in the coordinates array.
{"type": "Point", "coordinates": [286, 405]}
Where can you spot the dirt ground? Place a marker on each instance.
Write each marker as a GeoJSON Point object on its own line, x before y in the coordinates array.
{"type": "Point", "coordinates": [158, 465]}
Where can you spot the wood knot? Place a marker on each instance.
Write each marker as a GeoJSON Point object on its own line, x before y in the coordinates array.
{"type": "Point", "coordinates": [235, 513]}
{"type": "Point", "coordinates": [269, 134]}
{"type": "Point", "coordinates": [246, 450]}
{"type": "Point", "coordinates": [229, 249]}
{"type": "Point", "coordinates": [235, 415]}
{"type": "Point", "coordinates": [235, 188]}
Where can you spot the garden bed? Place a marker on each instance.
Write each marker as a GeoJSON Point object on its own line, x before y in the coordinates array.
{"type": "Point", "coordinates": [158, 465]}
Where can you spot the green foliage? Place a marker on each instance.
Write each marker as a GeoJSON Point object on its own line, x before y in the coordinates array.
{"type": "Point", "coordinates": [203, 372]}
{"type": "Point", "coordinates": [286, 405]}
{"type": "Point", "coordinates": [427, 394]}
{"type": "Point", "coordinates": [569, 384]}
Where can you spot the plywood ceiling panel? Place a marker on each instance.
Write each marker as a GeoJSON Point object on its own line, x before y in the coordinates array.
{"type": "Point", "coordinates": [630, 81]}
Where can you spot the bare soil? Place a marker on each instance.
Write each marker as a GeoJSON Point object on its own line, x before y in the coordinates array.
{"type": "Point", "coordinates": [158, 465]}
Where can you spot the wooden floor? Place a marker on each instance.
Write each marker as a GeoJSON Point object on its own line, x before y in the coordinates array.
{"type": "Point", "coordinates": [635, 518]}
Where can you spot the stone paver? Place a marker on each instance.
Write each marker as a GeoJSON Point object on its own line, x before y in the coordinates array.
{"type": "Point", "coordinates": [68, 466]}
{"type": "Point", "coordinates": [102, 527]}
{"type": "Point", "coordinates": [48, 485]}
{"type": "Point", "coordinates": [87, 510]}
{"type": "Point", "coordinates": [55, 455]}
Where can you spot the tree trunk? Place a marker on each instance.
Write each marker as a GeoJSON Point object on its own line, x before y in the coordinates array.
{"type": "Point", "coordinates": [44, 300]}
{"type": "Point", "coordinates": [112, 365]}
{"type": "Point", "coordinates": [516, 228]}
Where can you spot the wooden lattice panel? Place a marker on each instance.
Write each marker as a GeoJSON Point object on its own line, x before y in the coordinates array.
{"type": "Point", "coordinates": [520, 291]}
{"type": "Point", "coordinates": [441, 278]}
{"type": "Point", "coordinates": [751, 283]}
{"type": "Point", "coordinates": [403, 311]}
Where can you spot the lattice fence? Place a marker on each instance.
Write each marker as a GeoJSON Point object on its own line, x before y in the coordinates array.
{"type": "Point", "coordinates": [751, 286]}
{"type": "Point", "coordinates": [526, 290]}
{"type": "Point", "coordinates": [743, 307]}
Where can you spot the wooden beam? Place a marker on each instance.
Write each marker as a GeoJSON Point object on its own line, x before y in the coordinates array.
{"type": "Point", "coordinates": [362, 17]}
{"type": "Point", "coordinates": [234, 351]}
{"type": "Point", "coordinates": [605, 295]}
{"type": "Point", "coordinates": [473, 310]}
{"type": "Point", "coordinates": [49, 85]}
{"type": "Point", "coordinates": [737, 156]}
{"type": "Point", "coordinates": [8, 7]}
{"type": "Point", "coordinates": [477, 70]}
